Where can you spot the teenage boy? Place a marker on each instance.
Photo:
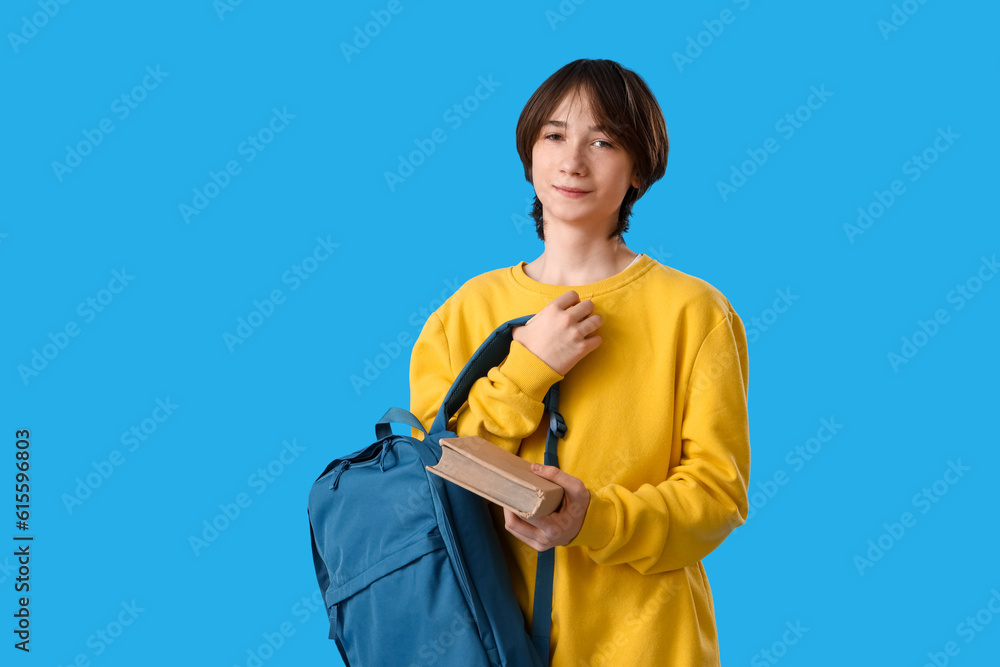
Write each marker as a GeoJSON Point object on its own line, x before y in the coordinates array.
{"type": "Point", "coordinates": [653, 372]}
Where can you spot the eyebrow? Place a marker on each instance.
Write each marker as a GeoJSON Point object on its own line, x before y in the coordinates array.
{"type": "Point", "coordinates": [592, 128]}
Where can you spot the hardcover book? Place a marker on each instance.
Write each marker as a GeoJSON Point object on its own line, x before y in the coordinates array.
{"type": "Point", "coordinates": [494, 473]}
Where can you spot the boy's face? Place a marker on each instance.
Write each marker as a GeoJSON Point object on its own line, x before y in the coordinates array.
{"type": "Point", "coordinates": [580, 175]}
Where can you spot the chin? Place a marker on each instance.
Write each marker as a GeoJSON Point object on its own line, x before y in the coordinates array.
{"type": "Point", "coordinates": [576, 214]}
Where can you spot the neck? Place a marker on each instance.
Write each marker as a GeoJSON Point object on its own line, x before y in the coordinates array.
{"type": "Point", "coordinates": [578, 259]}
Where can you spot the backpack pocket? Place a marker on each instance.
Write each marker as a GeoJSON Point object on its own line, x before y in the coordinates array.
{"type": "Point", "coordinates": [424, 628]}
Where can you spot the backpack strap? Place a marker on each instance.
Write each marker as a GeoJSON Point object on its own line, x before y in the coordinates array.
{"type": "Point", "coordinates": [491, 353]}
{"type": "Point", "coordinates": [541, 615]}
{"type": "Point", "coordinates": [383, 428]}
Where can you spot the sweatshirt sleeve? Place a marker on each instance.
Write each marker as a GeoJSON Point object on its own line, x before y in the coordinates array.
{"type": "Point", "coordinates": [504, 407]}
{"type": "Point", "coordinates": [679, 521]}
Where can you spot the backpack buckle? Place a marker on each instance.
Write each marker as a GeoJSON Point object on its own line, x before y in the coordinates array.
{"type": "Point", "coordinates": [557, 425]}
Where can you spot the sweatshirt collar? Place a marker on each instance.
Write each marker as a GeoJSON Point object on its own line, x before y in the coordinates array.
{"type": "Point", "coordinates": [640, 266]}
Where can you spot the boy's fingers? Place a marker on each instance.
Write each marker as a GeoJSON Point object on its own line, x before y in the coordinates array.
{"type": "Point", "coordinates": [581, 310]}
{"type": "Point", "coordinates": [590, 325]}
{"type": "Point", "coordinates": [566, 299]}
{"type": "Point", "coordinates": [523, 529]}
{"type": "Point", "coordinates": [557, 475]}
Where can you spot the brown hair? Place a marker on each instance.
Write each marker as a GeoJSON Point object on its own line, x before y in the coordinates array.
{"type": "Point", "coordinates": [622, 103]}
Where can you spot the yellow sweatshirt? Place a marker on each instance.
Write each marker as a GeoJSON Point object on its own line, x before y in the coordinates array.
{"type": "Point", "coordinates": [657, 430]}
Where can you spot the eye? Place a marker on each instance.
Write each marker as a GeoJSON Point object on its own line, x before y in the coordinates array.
{"type": "Point", "coordinates": [601, 143]}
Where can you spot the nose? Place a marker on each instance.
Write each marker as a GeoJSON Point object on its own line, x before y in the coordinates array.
{"type": "Point", "coordinates": [573, 159]}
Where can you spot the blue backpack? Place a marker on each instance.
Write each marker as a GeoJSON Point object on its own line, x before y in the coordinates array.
{"type": "Point", "coordinates": [410, 564]}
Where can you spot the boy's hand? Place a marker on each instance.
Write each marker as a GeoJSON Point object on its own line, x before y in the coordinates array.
{"type": "Point", "coordinates": [559, 528]}
{"type": "Point", "coordinates": [562, 333]}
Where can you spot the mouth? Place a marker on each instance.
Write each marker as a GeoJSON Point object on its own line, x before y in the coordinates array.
{"type": "Point", "coordinates": [571, 192]}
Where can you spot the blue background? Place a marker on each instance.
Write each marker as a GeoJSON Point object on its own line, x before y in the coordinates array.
{"type": "Point", "coordinates": [461, 212]}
